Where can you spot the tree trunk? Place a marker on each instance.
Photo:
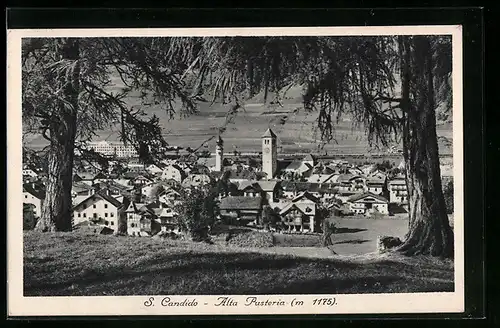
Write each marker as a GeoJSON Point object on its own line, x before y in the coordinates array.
{"type": "Point", "coordinates": [429, 229]}
{"type": "Point", "coordinates": [57, 206]}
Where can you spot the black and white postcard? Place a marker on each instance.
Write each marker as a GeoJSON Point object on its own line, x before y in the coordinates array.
{"type": "Point", "coordinates": [214, 171]}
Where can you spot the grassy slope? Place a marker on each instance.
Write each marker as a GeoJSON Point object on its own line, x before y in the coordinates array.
{"type": "Point", "coordinates": [73, 264]}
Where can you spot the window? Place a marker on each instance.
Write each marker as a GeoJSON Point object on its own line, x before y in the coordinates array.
{"type": "Point", "coordinates": [112, 214]}
{"type": "Point", "coordinates": [25, 196]}
{"type": "Point", "coordinates": [95, 215]}
{"type": "Point", "coordinates": [112, 223]}
{"type": "Point", "coordinates": [79, 214]}
{"type": "Point", "coordinates": [132, 225]}
{"type": "Point", "coordinates": [106, 222]}
{"type": "Point", "coordinates": [105, 215]}
{"type": "Point", "coordinates": [94, 206]}
{"type": "Point", "coordinates": [105, 205]}
{"type": "Point", "coordinates": [84, 215]}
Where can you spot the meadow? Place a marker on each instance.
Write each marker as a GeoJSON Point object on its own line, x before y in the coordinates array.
{"type": "Point", "coordinates": [85, 264]}
{"type": "Point", "coordinates": [295, 128]}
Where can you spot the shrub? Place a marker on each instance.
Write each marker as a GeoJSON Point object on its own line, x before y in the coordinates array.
{"type": "Point", "coordinates": [29, 219]}
{"type": "Point", "coordinates": [197, 211]}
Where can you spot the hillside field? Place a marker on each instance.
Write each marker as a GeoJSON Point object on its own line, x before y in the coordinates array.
{"type": "Point", "coordinates": [297, 134]}
{"type": "Point", "coordinates": [70, 264]}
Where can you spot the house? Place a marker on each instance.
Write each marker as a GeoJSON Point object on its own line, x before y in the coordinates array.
{"type": "Point", "coordinates": [300, 214]}
{"type": "Point", "coordinates": [35, 196]}
{"type": "Point", "coordinates": [398, 192]}
{"type": "Point", "coordinates": [114, 190]}
{"type": "Point", "coordinates": [241, 209]}
{"type": "Point", "coordinates": [297, 168]}
{"type": "Point", "coordinates": [168, 196]}
{"type": "Point", "coordinates": [375, 186]}
{"type": "Point", "coordinates": [368, 203]}
{"type": "Point", "coordinates": [155, 169]}
{"type": "Point", "coordinates": [173, 172]}
{"type": "Point", "coordinates": [165, 216]}
{"type": "Point", "coordinates": [249, 189]}
{"type": "Point", "coordinates": [136, 167]}
{"type": "Point", "coordinates": [196, 180]}
{"type": "Point", "coordinates": [98, 207]}
{"type": "Point", "coordinates": [351, 182]}
{"type": "Point", "coordinates": [81, 191]}
{"type": "Point", "coordinates": [139, 218]}
{"type": "Point", "coordinates": [89, 177]}
{"type": "Point", "coordinates": [241, 175]}
{"type": "Point", "coordinates": [378, 175]}
{"type": "Point", "coordinates": [269, 189]}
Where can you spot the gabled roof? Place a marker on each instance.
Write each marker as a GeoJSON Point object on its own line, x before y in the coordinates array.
{"type": "Point", "coordinates": [269, 134]}
{"type": "Point", "coordinates": [309, 158]}
{"type": "Point", "coordinates": [101, 195]}
{"type": "Point", "coordinates": [240, 203]}
{"type": "Point", "coordinates": [267, 185]}
{"type": "Point", "coordinates": [306, 195]}
{"type": "Point", "coordinates": [294, 165]}
{"type": "Point", "coordinates": [305, 208]}
{"type": "Point", "coordinates": [358, 197]}
{"type": "Point", "coordinates": [38, 193]}
{"type": "Point", "coordinates": [242, 185]}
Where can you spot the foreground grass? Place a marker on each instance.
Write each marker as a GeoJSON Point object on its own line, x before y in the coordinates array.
{"type": "Point", "coordinates": [73, 264]}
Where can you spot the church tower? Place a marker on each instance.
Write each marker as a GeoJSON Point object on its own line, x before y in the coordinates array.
{"type": "Point", "coordinates": [269, 154]}
{"type": "Point", "coordinates": [219, 154]}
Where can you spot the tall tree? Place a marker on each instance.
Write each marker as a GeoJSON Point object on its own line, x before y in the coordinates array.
{"type": "Point", "coordinates": [68, 94]}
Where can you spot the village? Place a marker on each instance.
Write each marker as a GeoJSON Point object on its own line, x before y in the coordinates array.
{"type": "Point", "coordinates": [294, 190]}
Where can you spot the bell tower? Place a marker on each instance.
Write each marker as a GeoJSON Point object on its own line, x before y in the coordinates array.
{"type": "Point", "coordinates": [269, 154]}
{"type": "Point", "coordinates": [219, 154]}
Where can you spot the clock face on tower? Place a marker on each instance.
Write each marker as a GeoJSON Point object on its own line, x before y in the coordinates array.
{"type": "Point", "coordinates": [266, 150]}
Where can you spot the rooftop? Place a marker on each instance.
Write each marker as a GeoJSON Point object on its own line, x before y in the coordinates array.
{"type": "Point", "coordinates": [269, 134]}
{"type": "Point", "coordinates": [240, 203]}
{"type": "Point", "coordinates": [355, 198]}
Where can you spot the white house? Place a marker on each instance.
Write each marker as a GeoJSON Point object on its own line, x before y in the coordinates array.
{"type": "Point", "coordinates": [375, 186]}
{"type": "Point", "coordinates": [33, 196]}
{"type": "Point", "coordinates": [368, 203]}
{"type": "Point", "coordinates": [398, 192]}
{"type": "Point", "coordinates": [98, 207]}
{"type": "Point", "coordinates": [269, 189]}
{"type": "Point", "coordinates": [300, 214]}
{"type": "Point", "coordinates": [173, 172]}
{"type": "Point", "coordinates": [139, 218]}
{"type": "Point", "coordinates": [155, 169]}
